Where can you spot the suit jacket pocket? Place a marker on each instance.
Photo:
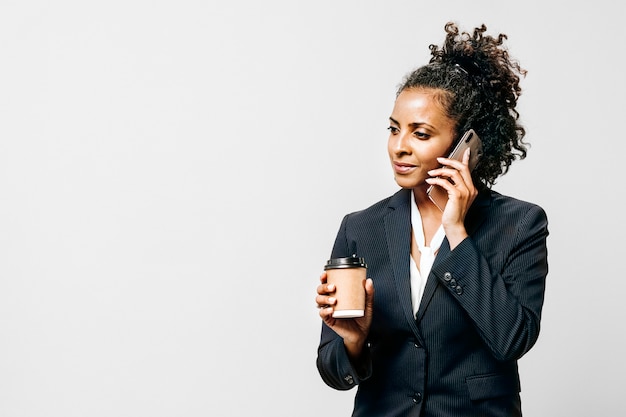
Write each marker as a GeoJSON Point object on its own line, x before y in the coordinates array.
{"type": "Point", "coordinates": [482, 387]}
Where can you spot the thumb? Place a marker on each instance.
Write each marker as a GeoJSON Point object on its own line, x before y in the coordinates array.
{"type": "Point", "coordinates": [369, 293]}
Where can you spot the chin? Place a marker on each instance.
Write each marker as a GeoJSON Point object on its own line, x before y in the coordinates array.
{"type": "Point", "coordinates": [407, 183]}
{"type": "Point", "coordinates": [411, 183]}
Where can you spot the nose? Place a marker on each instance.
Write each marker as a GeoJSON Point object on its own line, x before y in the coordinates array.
{"type": "Point", "coordinates": [399, 143]}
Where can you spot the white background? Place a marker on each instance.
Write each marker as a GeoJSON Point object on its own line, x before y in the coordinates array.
{"type": "Point", "coordinates": [172, 176]}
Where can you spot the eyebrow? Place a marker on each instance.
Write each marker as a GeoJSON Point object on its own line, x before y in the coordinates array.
{"type": "Point", "coordinates": [414, 124]}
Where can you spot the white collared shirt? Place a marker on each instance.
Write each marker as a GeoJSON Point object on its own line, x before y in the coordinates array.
{"type": "Point", "coordinates": [427, 255]}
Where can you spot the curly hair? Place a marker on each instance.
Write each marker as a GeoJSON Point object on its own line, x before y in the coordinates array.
{"type": "Point", "coordinates": [477, 85]}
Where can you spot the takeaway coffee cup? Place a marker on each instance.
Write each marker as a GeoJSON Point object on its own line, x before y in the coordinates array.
{"type": "Point", "coordinates": [348, 275]}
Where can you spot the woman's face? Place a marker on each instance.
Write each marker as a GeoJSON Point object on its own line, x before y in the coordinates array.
{"type": "Point", "coordinates": [419, 132]}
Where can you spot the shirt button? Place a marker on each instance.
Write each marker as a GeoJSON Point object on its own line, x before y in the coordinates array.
{"type": "Point", "coordinates": [417, 398]}
{"type": "Point", "coordinates": [447, 276]}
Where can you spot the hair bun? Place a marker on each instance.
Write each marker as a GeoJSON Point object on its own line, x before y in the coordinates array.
{"type": "Point", "coordinates": [467, 65]}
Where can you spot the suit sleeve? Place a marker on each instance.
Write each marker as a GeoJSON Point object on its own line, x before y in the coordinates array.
{"type": "Point", "coordinates": [333, 363]}
{"type": "Point", "coordinates": [504, 305]}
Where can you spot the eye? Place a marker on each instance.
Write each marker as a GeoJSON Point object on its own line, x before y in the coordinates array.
{"type": "Point", "coordinates": [421, 135]}
{"type": "Point", "coordinates": [393, 130]}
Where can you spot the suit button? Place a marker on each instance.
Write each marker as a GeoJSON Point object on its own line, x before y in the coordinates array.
{"type": "Point", "coordinates": [349, 379]}
{"type": "Point", "coordinates": [458, 290]}
{"type": "Point", "coordinates": [447, 276]}
{"type": "Point", "coordinates": [417, 398]}
{"type": "Point", "coordinates": [452, 283]}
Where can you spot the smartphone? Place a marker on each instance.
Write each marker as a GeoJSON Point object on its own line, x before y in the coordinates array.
{"type": "Point", "coordinates": [470, 140]}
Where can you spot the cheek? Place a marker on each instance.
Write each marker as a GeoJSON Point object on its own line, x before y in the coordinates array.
{"type": "Point", "coordinates": [390, 145]}
{"type": "Point", "coordinates": [430, 156]}
{"type": "Point", "coordinates": [430, 165]}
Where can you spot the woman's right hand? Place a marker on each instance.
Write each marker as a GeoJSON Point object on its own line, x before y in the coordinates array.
{"type": "Point", "coordinates": [353, 331]}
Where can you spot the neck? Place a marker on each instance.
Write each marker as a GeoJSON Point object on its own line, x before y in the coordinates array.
{"type": "Point", "coordinates": [429, 214]}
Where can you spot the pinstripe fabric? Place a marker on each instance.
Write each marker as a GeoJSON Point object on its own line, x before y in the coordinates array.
{"type": "Point", "coordinates": [480, 312]}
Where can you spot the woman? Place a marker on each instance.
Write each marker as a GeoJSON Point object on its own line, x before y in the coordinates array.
{"type": "Point", "coordinates": [442, 337]}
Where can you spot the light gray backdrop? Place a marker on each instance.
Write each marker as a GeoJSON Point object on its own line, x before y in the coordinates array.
{"type": "Point", "coordinates": [172, 176]}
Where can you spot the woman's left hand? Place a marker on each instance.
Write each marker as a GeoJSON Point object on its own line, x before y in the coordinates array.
{"type": "Point", "coordinates": [456, 179]}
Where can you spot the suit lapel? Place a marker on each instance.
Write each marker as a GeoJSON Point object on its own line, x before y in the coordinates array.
{"type": "Point", "coordinates": [431, 282]}
{"type": "Point", "coordinates": [398, 234]}
{"type": "Point", "coordinates": [475, 216]}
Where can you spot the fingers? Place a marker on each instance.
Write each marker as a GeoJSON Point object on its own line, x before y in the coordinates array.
{"type": "Point", "coordinates": [451, 168]}
{"type": "Point", "coordinates": [325, 288]}
{"type": "Point", "coordinates": [449, 179]}
{"type": "Point", "coordinates": [326, 313]}
{"type": "Point", "coordinates": [325, 302]}
{"type": "Point", "coordinates": [453, 174]}
{"type": "Point", "coordinates": [324, 298]}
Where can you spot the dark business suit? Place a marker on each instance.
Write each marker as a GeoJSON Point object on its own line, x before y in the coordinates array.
{"type": "Point", "coordinates": [480, 312]}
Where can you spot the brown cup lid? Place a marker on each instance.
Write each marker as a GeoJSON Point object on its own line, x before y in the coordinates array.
{"type": "Point", "coordinates": [349, 262]}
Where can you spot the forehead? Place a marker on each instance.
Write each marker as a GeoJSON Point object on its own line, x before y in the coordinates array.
{"type": "Point", "coordinates": [421, 106]}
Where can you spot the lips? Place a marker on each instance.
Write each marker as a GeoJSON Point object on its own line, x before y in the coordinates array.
{"type": "Point", "coordinates": [403, 167]}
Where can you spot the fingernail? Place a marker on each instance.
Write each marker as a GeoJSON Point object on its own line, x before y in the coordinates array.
{"type": "Point", "coordinates": [331, 300]}
{"type": "Point", "coordinates": [331, 287]}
